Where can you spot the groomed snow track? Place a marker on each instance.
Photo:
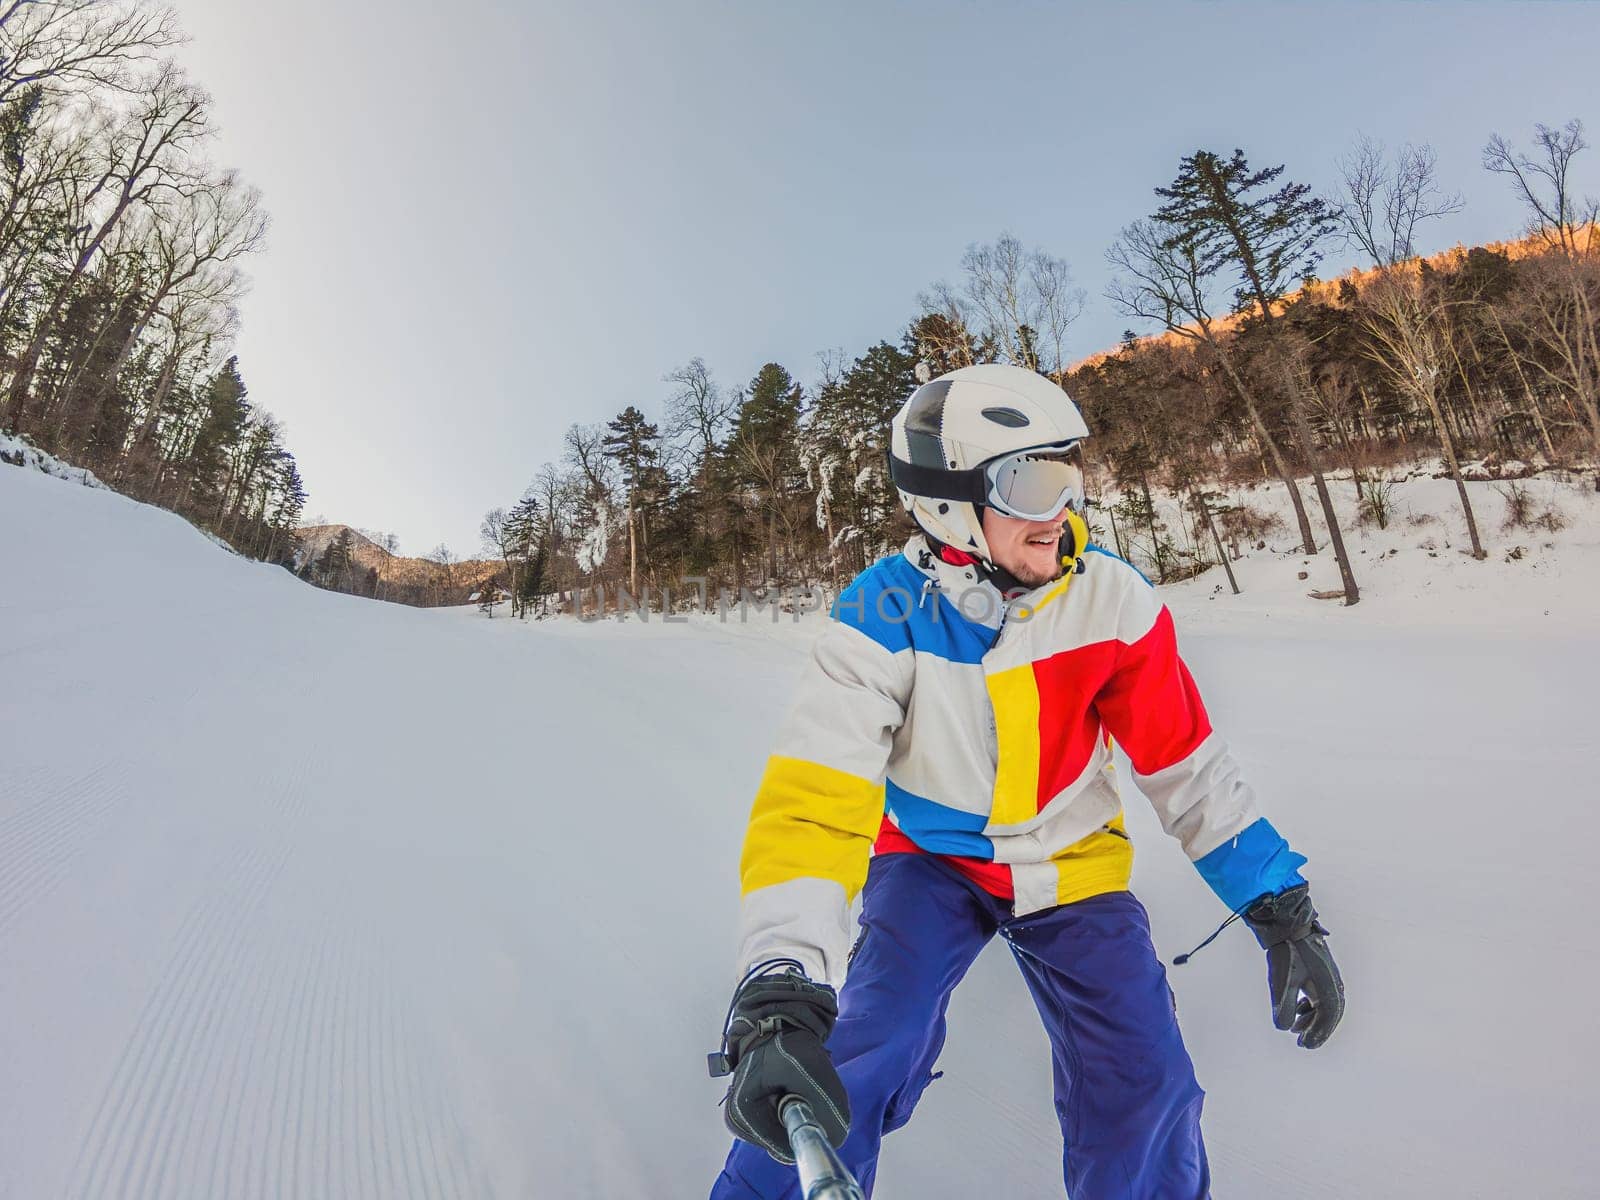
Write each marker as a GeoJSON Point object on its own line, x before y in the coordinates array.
{"type": "Point", "coordinates": [308, 896]}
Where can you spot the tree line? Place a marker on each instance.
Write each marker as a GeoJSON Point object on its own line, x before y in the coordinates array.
{"type": "Point", "coordinates": [1239, 364]}
{"type": "Point", "coordinates": [121, 250]}
{"type": "Point", "coordinates": [368, 563]}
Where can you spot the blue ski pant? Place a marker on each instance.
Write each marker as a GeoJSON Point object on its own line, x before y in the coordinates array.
{"type": "Point", "coordinates": [1125, 1091]}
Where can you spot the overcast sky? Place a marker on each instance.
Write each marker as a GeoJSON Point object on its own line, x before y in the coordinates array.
{"type": "Point", "coordinates": [494, 218]}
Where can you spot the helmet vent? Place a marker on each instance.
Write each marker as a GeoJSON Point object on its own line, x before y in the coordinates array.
{"type": "Point", "coordinates": [1009, 417]}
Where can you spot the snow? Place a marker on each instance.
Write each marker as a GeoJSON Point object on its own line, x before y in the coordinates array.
{"type": "Point", "coordinates": [263, 935]}
{"type": "Point", "coordinates": [20, 452]}
{"type": "Point", "coordinates": [594, 546]}
{"type": "Point", "coordinates": [1416, 574]}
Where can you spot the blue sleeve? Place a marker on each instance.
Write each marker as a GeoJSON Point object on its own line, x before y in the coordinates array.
{"type": "Point", "coordinates": [1254, 863]}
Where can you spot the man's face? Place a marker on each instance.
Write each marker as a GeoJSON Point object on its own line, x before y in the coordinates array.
{"type": "Point", "coordinates": [1028, 549]}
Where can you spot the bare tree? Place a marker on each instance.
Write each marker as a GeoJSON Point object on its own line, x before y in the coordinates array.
{"type": "Point", "coordinates": [1022, 301]}
{"type": "Point", "coordinates": [1167, 283]}
{"type": "Point", "coordinates": [147, 152]}
{"type": "Point", "coordinates": [196, 317]}
{"type": "Point", "coordinates": [1543, 182]}
{"type": "Point", "coordinates": [996, 278]}
{"type": "Point", "coordinates": [1559, 309]}
{"type": "Point", "coordinates": [944, 339]}
{"type": "Point", "coordinates": [1334, 393]}
{"type": "Point", "coordinates": [188, 240]}
{"type": "Point", "coordinates": [492, 533]}
{"type": "Point", "coordinates": [1385, 201]}
{"type": "Point", "coordinates": [698, 411]}
{"type": "Point", "coordinates": [586, 455]}
{"type": "Point", "coordinates": [1404, 335]}
{"type": "Point", "coordinates": [499, 538]}
{"type": "Point", "coordinates": [1405, 328]}
{"type": "Point", "coordinates": [767, 467]}
{"type": "Point", "coordinates": [443, 582]}
{"type": "Point", "coordinates": [1554, 310]}
{"type": "Point", "coordinates": [388, 545]}
{"type": "Point", "coordinates": [1535, 410]}
{"type": "Point", "coordinates": [699, 415]}
{"type": "Point", "coordinates": [199, 232]}
{"type": "Point", "coordinates": [554, 492]}
{"type": "Point", "coordinates": [35, 183]}
{"type": "Point", "coordinates": [560, 496]}
{"type": "Point", "coordinates": [88, 43]}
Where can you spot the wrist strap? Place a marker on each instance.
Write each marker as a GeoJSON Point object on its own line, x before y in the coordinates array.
{"type": "Point", "coordinates": [1217, 932]}
{"type": "Point", "coordinates": [721, 1062]}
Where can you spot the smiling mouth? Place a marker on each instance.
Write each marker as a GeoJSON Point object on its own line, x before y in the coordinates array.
{"type": "Point", "coordinates": [1045, 539]}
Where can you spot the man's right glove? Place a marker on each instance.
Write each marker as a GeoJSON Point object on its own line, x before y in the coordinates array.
{"type": "Point", "coordinates": [773, 1047]}
{"type": "Point", "coordinates": [1307, 992]}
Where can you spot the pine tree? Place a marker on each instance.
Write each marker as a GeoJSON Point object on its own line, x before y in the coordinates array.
{"type": "Point", "coordinates": [764, 448]}
{"type": "Point", "coordinates": [1242, 222]}
{"type": "Point", "coordinates": [291, 504]}
{"type": "Point", "coordinates": [225, 410]}
{"type": "Point", "coordinates": [524, 535]}
{"type": "Point", "coordinates": [633, 445]}
{"type": "Point", "coordinates": [333, 567]}
{"type": "Point", "coordinates": [530, 580]}
{"type": "Point", "coordinates": [770, 414]}
{"type": "Point", "coordinates": [843, 448]}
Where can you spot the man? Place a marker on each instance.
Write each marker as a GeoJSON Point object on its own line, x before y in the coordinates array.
{"type": "Point", "coordinates": [957, 722]}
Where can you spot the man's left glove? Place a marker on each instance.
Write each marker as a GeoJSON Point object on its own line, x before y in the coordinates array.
{"type": "Point", "coordinates": [1307, 992]}
{"type": "Point", "coordinates": [774, 1048]}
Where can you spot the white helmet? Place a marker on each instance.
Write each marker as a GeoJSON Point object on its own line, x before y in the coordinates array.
{"type": "Point", "coordinates": [958, 443]}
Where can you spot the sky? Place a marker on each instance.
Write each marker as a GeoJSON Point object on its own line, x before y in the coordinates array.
{"type": "Point", "coordinates": [493, 219]}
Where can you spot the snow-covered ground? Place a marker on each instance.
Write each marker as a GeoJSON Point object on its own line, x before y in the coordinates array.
{"type": "Point", "coordinates": [1417, 572]}
{"type": "Point", "coordinates": [20, 452]}
{"type": "Point", "coordinates": [307, 896]}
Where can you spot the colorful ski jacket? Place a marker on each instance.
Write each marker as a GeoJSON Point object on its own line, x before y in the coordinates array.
{"type": "Point", "coordinates": [935, 716]}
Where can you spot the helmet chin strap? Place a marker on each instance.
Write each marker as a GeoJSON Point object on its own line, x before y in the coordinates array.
{"type": "Point", "coordinates": [1067, 549]}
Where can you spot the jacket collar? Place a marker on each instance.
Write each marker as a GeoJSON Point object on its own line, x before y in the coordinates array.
{"type": "Point", "coordinates": [954, 577]}
{"type": "Point", "coordinates": [955, 580]}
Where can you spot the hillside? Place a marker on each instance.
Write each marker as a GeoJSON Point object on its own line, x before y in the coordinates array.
{"type": "Point", "coordinates": [394, 576]}
{"type": "Point", "coordinates": [1541, 574]}
{"type": "Point", "coordinates": [264, 938]}
{"type": "Point", "coordinates": [1328, 291]}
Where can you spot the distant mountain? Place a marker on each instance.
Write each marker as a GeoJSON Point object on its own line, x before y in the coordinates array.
{"type": "Point", "coordinates": [375, 572]}
{"type": "Point", "coordinates": [315, 539]}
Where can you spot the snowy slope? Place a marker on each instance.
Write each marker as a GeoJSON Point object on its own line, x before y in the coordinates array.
{"type": "Point", "coordinates": [1418, 572]}
{"type": "Point", "coordinates": [238, 958]}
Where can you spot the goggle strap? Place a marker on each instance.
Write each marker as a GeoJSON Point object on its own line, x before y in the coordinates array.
{"type": "Point", "coordinates": [939, 483]}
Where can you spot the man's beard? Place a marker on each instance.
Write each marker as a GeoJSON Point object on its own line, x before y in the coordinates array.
{"type": "Point", "coordinates": [1033, 579]}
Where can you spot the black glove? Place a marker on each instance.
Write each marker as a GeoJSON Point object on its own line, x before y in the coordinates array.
{"type": "Point", "coordinates": [1307, 993]}
{"type": "Point", "coordinates": [773, 1047]}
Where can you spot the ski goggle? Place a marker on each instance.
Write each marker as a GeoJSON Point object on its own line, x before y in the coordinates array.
{"type": "Point", "coordinates": [1035, 485]}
